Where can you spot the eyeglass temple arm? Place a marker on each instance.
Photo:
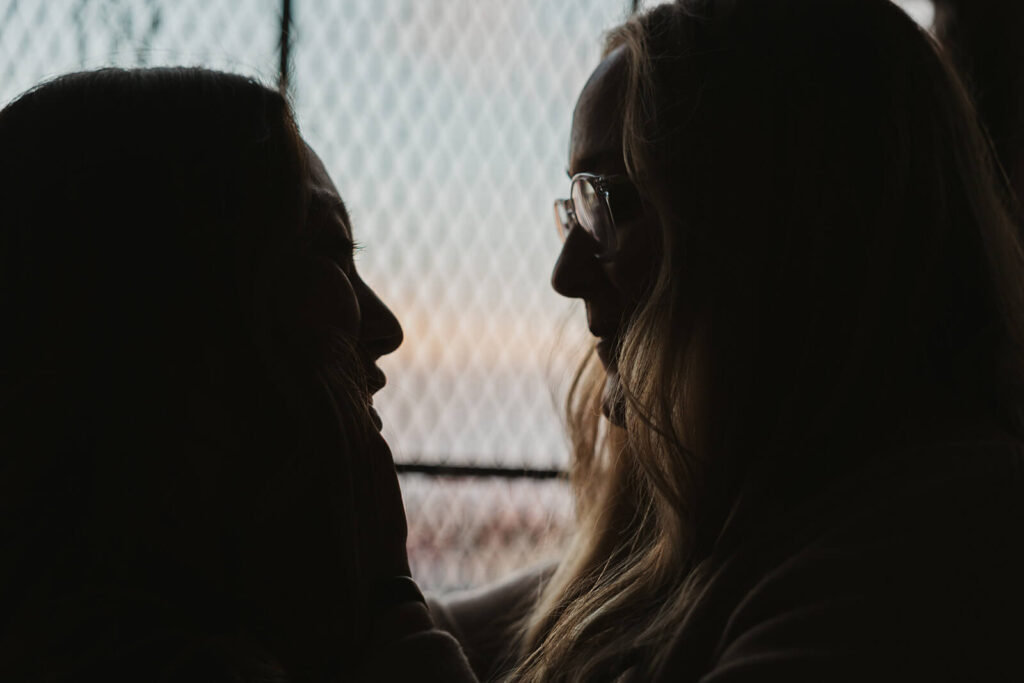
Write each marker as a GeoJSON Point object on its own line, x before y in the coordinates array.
{"type": "Point", "coordinates": [625, 201]}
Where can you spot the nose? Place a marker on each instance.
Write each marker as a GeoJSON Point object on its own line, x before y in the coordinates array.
{"type": "Point", "coordinates": [380, 331]}
{"type": "Point", "coordinates": [577, 274]}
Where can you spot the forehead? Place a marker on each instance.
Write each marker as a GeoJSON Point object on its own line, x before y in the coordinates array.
{"type": "Point", "coordinates": [324, 196]}
{"type": "Point", "coordinates": [595, 143]}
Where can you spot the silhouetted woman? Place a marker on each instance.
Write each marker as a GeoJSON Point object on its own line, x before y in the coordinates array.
{"type": "Point", "coordinates": [808, 300]}
{"type": "Point", "coordinates": [192, 482]}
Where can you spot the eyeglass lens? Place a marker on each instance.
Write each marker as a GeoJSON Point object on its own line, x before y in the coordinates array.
{"type": "Point", "coordinates": [562, 219]}
{"type": "Point", "coordinates": [591, 211]}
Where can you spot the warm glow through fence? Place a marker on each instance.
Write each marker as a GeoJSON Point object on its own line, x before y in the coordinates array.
{"type": "Point", "coordinates": [445, 126]}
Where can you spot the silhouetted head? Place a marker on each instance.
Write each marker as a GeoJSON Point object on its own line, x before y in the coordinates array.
{"type": "Point", "coordinates": [796, 254]}
{"type": "Point", "coordinates": [187, 364]}
{"type": "Point", "coordinates": [608, 261]}
{"type": "Point", "coordinates": [817, 210]}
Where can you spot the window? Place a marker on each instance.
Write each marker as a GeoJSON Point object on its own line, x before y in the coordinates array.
{"type": "Point", "coordinates": [445, 126]}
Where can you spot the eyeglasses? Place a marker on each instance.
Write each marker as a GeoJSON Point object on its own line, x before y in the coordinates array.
{"type": "Point", "coordinates": [595, 203]}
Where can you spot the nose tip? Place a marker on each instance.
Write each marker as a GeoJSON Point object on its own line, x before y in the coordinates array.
{"type": "Point", "coordinates": [574, 270]}
{"type": "Point", "coordinates": [381, 332]}
{"type": "Point", "coordinates": [389, 343]}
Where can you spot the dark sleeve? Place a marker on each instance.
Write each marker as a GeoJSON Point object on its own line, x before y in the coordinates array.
{"type": "Point", "coordinates": [425, 657]}
{"type": "Point", "coordinates": [930, 588]}
{"type": "Point", "coordinates": [811, 620]}
{"type": "Point", "coordinates": [128, 637]}
{"type": "Point", "coordinates": [486, 621]}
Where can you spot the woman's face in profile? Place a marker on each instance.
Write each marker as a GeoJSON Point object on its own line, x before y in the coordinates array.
{"type": "Point", "coordinates": [342, 300]}
{"type": "Point", "coordinates": [610, 286]}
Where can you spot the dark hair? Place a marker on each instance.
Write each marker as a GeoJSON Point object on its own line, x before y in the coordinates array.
{"type": "Point", "coordinates": [173, 434]}
{"type": "Point", "coordinates": [838, 277]}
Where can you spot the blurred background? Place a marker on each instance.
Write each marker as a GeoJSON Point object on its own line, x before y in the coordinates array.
{"type": "Point", "coordinates": [444, 124]}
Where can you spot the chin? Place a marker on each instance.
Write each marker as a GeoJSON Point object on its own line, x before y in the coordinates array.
{"type": "Point", "coordinates": [613, 403]}
{"type": "Point", "coordinates": [375, 418]}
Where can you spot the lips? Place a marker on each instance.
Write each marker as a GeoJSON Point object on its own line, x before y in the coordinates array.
{"type": "Point", "coordinates": [607, 348]}
{"type": "Point", "coordinates": [375, 379]}
{"type": "Point", "coordinates": [612, 404]}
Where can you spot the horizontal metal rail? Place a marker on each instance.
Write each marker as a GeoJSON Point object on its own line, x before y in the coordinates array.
{"type": "Point", "coordinates": [437, 470]}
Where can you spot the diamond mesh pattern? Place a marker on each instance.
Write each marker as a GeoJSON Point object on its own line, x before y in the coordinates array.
{"type": "Point", "coordinates": [467, 532]}
{"type": "Point", "coordinates": [445, 126]}
{"type": "Point", "coordinates": [446, 123]}
{"type": "Point", "coordinates": [43, 38]}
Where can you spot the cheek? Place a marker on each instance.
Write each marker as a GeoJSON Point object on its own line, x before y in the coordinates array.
{"type": "Point", "coordinates": [329, 301]}
{"type": "Point", "coordinates": [633, 267]}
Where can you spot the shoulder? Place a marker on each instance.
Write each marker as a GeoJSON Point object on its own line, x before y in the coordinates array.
{"type": "Point", "coordinates": [911, 570]}
{"type": "Point", "coordinates": [486, 621]}
{"type": "Point", "coordinates": [116, 634]}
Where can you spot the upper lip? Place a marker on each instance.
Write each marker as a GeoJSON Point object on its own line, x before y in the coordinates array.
{"type": "Point", "coordinates": [375, 379]}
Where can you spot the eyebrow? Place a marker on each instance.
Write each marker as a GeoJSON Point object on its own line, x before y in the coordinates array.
{"type": "Point", "coordinates": [329, 201]}
{"type": "Point", "coordinates": [336, 244]}
{"type": "Point", "coordinates": [332, 201]}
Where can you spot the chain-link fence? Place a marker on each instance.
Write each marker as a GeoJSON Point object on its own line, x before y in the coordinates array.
{"type": "Point", "coordinates": [449, 120]}
{"type": "Point", "coordinates": [445, 126]}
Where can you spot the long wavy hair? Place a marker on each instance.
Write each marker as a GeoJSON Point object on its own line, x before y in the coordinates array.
{"type": "Point", "coordinates": [837, 276]}
{"type": "Point", "coordinates": [176, 490]}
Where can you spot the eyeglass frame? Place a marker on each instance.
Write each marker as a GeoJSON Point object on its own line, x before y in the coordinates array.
{"type": "Point", "coordinates": [627, 203]}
